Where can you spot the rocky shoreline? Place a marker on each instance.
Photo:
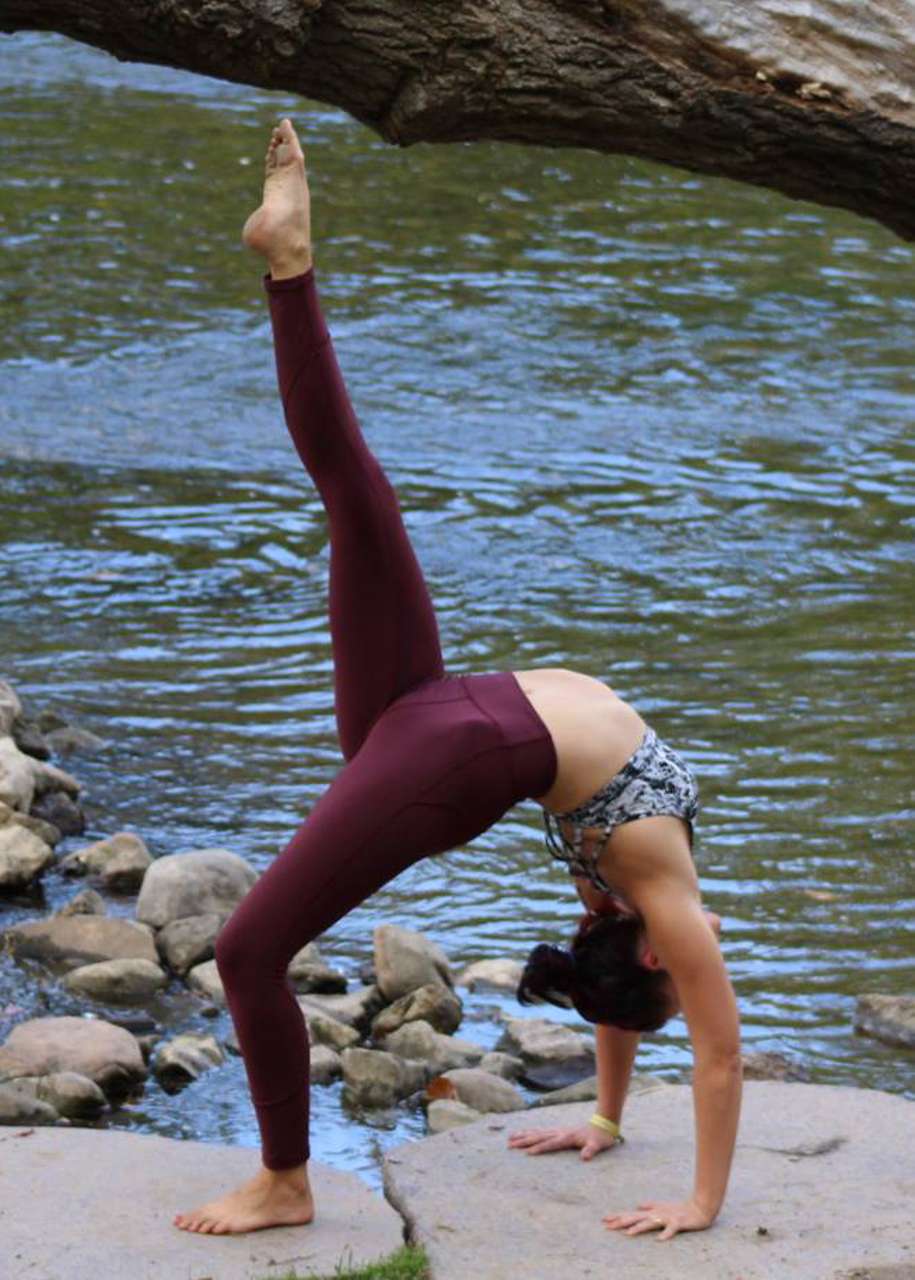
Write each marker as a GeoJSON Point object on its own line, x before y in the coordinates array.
{"type": "Point", "coordinates": [391, 1038]}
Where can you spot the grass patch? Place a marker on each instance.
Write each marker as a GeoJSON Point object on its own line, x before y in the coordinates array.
{"type": "Point", "coordinates": [406, 1264]}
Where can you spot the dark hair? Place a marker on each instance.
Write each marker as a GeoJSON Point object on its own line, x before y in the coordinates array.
{"type": "Point", "coordinates": [600, 976]}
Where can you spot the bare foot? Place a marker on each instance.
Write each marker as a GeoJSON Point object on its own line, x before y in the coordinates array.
{"type": "Point", "coordinates": [280, 228]}
{"type": "Point", "coordinates": [270, 1199]}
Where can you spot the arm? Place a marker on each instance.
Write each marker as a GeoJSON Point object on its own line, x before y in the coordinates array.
{"type": "Point", "coordinates": [616, 1050]}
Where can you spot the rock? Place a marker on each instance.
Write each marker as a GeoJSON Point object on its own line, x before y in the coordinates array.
{"type": "Point", "coordinates": [21, 1105]}
{"type": "Point", "coordinates": [328, 1031]}
{"type": "Point", "coordinates": [445, 1114]}
{"type": "Point", "coordinates": [405, 960]}
{"type": "Point", "coordinates": [71, 1094]}
{"type": "Point", "coordinates": [29, 739]}
{"type": "Point", "coordinates": [49, 720]}
{"type": "Point", "coordinates": [12, 1066]}
{"type": "Point", "coordinates": [204, 978]}
{"type": "Point", "coordinates": [81, 940]}
{"type": "Point", "coordinates": [184, 1058]}
{"type": "Point", "coordinates": [889, 1018]}
{"type": "Point", "coordinates": [808, 1156]}
{"type": "Point", "coordinates": [68, 739]}
{"type": "Point", "coordinates": [45, 831]}
{"type": "Point", "coordinates": [498, 975]}
{"type": "Point", "coordinates": [503, 1065]}
{"type": "Point", "coordinates": [10, 708]}
{"type": "Point", "coordinates": [60, 810]}
{"type": "Point", "coordinates": [357, 1008]}
{"type": "Point", "coordinates": [114, 1192]}
{"type": "Point", "coordinates": [122, 861]}
{"type": "Point", "coordinates": [766, 1065]}
{"type": "Point", "coordinates": [189, 941]}
{"type": "Point", "coordinates": [116, 980]}
{"type": "Point", "coordinates": [433, 1003]}
{"type": "Point", "coordinates": [88, 902]}
{"type": "Point", "coordinates": [308, 972]}
{"type": "Point", "coordinates": [17, 780]}
{"type": "Point", "coordinates": [107, 1054]}
{"type": "Point", "coordinates": [23, 857]}
{"type": "Point", "coordinates": [553, 1055]}
{"type": "Point", "coordinates": [586, 1090]}
{"type": "Point", "coordinates": [325, 1065]}
{"type": "Point", "coordinates": [422, 1043]}
{"type": "Point", "coordinates": [484, 1091]}
{"type": "Point", "coordinates": [375, 1079]}
{"type": "Point", "coordinates": [195, 883]}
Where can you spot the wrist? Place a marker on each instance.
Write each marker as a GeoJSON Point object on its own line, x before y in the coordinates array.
{"type": "Point", "coordinates": [706, 1204]}
{"type": "Point", "coordinates": [606, 1125]}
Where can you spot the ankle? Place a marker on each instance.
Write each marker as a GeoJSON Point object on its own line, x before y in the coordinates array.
{"type": "Point", "coordinates": [293, 263]}
{"type": "Point", "coordinates": [296, 1176]}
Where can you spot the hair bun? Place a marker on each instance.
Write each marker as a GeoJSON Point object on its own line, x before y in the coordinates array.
{"type": "Point", "coordinates": [549, 974]}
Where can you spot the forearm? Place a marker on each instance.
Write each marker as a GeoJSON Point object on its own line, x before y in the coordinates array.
{"type": "Point", "coordinates": [616, 1050]}
{"type": "Point", "coordinates": [717, 1089]}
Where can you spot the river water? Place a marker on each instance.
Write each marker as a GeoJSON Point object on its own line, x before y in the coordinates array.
{"type": "Point", "coordinates": [643, 423]}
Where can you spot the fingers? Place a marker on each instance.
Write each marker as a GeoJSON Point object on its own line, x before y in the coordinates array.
{"type": "Point", "coordinates": [538, 1141]}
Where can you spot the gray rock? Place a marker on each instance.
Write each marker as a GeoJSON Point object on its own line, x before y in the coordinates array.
{"type": "Point", "coordinates": [127, 1188]}
{"type": "Point", "coordinates": [586, 1090]}
{"type": "Point", "coordinates": [498, 975]}
{"type": "Point", "coordinates": [69, 738]}
{"type": "Point", "coordinates": [767, 1065]}
{"type": "Point", "coordinates": [308, 972]}
{"type": "Point", "coordinates": [122, 861]}
{"type": "Point", "coordinates": [29, 738]}
{"type": "Point", "coordinates": [484, 1091]}
{"type": "Point", "coordinates": [808, 1156]}
{"type": "Point", "coordinates": [17, 778]}
{"type": "Point", "coordinates": [554, 1055]}
{"type": "Point", "coordinates": [405, 960]}
{"type": "Point", "coordinates": [107, 1054]}
{"type": "Point", "coordinates": [23, 857]}
{"type": "Point", "coordinates": [184, 1058]}
{"type": "Point", "coordinates": [189, 941]}
{"type": "Point", "coordinates": [81, 939]}
{"type": "Point", "coordinates": [205, 980]}
{"type": "Point", "coordinates": [433, 1003]}
{"type": "Point", "coordinates": [71, 1094]}
{"type": "Point", "coordinates": [329, 1032]}
{"type": "Point", "coordinates": [20, 1105]}
{"type": "Point", "coordinates": [116, 980]}
{"type": "Point", "coordinates": [195, 883]}
{"type": "Point", "coordinates": [10, 708]}
{"type": "Point", "coordinates": [325, 1065]}
{"type": "Point", "coordinates": [43, 830]}
{"type": "Point", "coordinates": [88, 902]}
{"type": "Point", "coordinates": [357, 1008]}
{"type": "Point", "coordinates": [504, 1065]}
{"type": "Point", "coordinates": [446, 1113]}
{"type": "Point", "coordinates": [422, 1043]}
{"type": "Point", "coordinates": [60, 810]}
{"type": "Point", "coordinates": [889, 1018]}
{"type": "Point", "coordinates": [375, 1079]}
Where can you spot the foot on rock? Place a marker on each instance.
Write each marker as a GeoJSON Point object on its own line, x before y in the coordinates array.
{"type": "Point", "coordinates": [264, 1201]}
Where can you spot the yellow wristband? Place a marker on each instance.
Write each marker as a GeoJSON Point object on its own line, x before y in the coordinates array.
{"type": "Point", "coordinates": [608, 1126]}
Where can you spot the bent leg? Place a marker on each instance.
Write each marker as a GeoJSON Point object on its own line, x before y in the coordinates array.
{"type": "Point", "coordinates": [383, 626]}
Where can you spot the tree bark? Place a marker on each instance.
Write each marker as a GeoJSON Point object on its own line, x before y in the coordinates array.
{"type": "Point", "coordinates": [810, 97]}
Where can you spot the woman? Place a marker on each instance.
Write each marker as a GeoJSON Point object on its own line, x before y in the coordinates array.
{"type": "Point", "coordinates": [433, 760]}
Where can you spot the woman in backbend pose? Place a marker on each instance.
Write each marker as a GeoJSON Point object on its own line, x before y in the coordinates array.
{"type": "Point", "coordinates": [431, 761]}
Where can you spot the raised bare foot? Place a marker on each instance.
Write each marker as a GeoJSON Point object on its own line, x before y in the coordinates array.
{"type": "Point", "coordinates": [269, 1199]}
{"type": "Point", "coordinates": [280, 228]}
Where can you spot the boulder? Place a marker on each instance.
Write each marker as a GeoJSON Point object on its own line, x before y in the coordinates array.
{"type": "Point", "coordinates": [356, 1008]}
{"type": "Point", "coordinates": [497, 975]}
{"type": "Point", "coordinates": [889, 1018]}
{"type": "Point", "coordinates": [328, 1031]}
{"type": "Point", "coordinates": [446, 1113]}
{"type": "Point", "coordinates": [29, 738]}
{"type": "Point", "coordinates": [116, 980]}
{"type": "Point", "coordinates": [44, 830]}
{"type": "Point", "coordinates": [504, 1065]}
{"type": "Point", "coordinates": [184, 1058]}
{"type": "Point", "coordinates": [768, 1065]}
{"type": "Point", "coordinates": [23, 857]}
{"type": "Point", "coordinates": [586, 1090]}
{"type": "Point", "coordinates": [10, 708]}
{"type": "Point", "coordinates": [199, 882]}
{"type": "Point", "coordinates": [325, 1065]}
{"type": "Point", "coordinates": [405, 960]}
{"type": "Point", "coordinates": [17, 780]}
{"type": "Point", "coordinates": [308, 972]}
{"type": "Point", "coordinates": [375, 1079]}
{"type": "Point", "coordinates": [189, 941]}
{"type": "Point", "coordinates": [71, 1094]}
{"type": "Point", "coordinates": [70, 738]}
{"type": "Point", "coordinates": [483, 1091]}
{"type": "Point", "coordinates": [81, 939]}
{"type": "Point", "coordinates": [107, 1054]}
{"type": "Point", "coordinates": [60, 810]}
{"type": "Point", "coordinates": [432, 1003]}
{"type": "Point", "coordinates": [121, 860]}
{"type": "Point", "coordinates": [205, 980]}
{"type": "Point", "coordinates": [554, 1055]}
{"type": "Point", "coordinates": [88, 902]}
{"type": "Point", "coordinates": [19, 1104]}
{"type": "Point", "coordinates": [422, 1043]}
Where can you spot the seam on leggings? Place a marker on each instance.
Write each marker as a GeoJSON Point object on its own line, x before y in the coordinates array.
{"type": "Point", "coordinates": [342, 867]}
{"type": "Point", "coordinates": [498, 727]}
{"type": "Point", "coordinates": [306, 360]}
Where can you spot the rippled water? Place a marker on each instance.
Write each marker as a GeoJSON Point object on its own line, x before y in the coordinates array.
{"type": "Point", "coordinates": [648, 425]}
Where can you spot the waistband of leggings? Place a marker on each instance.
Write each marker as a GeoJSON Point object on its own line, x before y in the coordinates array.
{"type": "Point", "coordinates": [532, 751]}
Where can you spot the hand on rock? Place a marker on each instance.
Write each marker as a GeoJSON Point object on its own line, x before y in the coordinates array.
{"type": "Point", "coordinates": [590, 1140]}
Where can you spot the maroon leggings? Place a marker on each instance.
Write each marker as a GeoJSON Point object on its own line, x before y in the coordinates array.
{"type": "Point", "coordinates": [432, 760]}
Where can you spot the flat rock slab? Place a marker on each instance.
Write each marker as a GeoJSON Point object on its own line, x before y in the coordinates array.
{"type": "Point", "coordinates": [822, 1188]}
{"type": "Point", "coordinates": [88, 1204]}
